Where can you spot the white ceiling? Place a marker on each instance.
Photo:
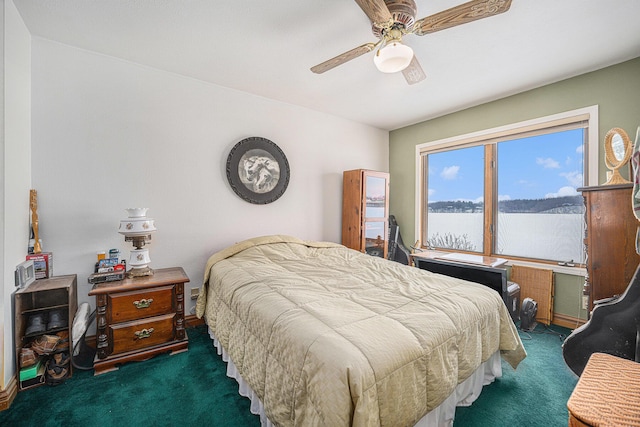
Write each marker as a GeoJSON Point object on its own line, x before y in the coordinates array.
{"type": "Point", "coordinates": [267, 47]}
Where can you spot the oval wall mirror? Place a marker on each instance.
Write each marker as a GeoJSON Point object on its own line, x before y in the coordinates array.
{"type": "Point", "coordinates": [617, 152]}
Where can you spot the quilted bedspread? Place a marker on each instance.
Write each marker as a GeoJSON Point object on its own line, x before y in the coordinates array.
{"type": "Point", "coordinates": [329, 336]}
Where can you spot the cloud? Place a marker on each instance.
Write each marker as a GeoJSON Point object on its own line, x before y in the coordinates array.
{"type": "Point", "coordinates": [431, 192]}
{"type": "Point", "coordinates": [574, 178]}
{"type": "Point", "coordinates": [563, 191]}
{"type": "Point", "coordinates": [450, 172]}
{"type": "Point", "coordinates": [580, 149]}
{"type": "Point", "coordinates": [503, 197]}
{"type": "Point", "coordinates": [548, 163]}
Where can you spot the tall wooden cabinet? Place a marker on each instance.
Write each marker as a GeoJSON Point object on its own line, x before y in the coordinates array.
{"type": "Point", "coordinates": [365, 211]}
{"type": "Point", "coordinates": [610, 239]}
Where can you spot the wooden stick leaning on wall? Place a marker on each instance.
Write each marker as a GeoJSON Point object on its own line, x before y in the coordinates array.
{"type": "Point", "coordinates": [33, 204]}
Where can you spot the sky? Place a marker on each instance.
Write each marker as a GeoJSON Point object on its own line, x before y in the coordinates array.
{"type": "Point", "coordinates": [376, 187]}
{"type": "Point", "coordinates": [529, 168]}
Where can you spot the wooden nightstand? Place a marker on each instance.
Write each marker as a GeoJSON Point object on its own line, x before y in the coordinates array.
{"type": "Point", "coordinates": [139, 318]}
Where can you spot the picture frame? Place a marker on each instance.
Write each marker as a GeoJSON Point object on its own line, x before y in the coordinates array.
{"type": "Point", "coordinates": [25, 274]}
{"type": "Point", "coordinates": [258, 170]}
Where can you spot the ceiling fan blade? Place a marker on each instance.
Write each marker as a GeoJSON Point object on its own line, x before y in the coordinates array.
{"type": "Point", "coordinates": [466, 12]}
{"type": "Point", "coordinates": [343, 57]}
{"type": "Point", "coordinates": [414, 73]}
{"type": "Point", "coordinates": [376, 10]}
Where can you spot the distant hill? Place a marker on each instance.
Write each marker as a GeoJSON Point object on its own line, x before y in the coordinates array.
{"type": "Point", "coordinates": [567, 204]}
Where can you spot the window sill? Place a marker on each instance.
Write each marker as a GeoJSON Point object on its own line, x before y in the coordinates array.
{"type": "Point", "coordinates": [572, 271]}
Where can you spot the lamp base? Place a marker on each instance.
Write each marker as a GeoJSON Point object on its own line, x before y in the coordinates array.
{"type": "Point", "coordinates": [139, 272]}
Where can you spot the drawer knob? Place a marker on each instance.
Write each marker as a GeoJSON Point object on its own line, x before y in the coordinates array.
{"type": "Point", "coordinates": [145, 333]}
{"type": "Point", "coordinates": [143, 303]}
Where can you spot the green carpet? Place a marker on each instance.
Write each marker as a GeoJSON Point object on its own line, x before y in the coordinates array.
{"type": "Point", "coordinates": [534, 395]}
{"type": "Point", "coordinates": [189, 388]}
{"type": "Point", "coordinates": [192, 388]}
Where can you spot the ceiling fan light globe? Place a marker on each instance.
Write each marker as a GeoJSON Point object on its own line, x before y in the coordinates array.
{"type": "Point", "coordinates": [393, 57]}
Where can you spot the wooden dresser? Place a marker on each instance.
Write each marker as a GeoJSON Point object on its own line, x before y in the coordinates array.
{"type": "Point", "coordinates": [140, 317]}
{"type": "Point", "coordinates": [610, 239]}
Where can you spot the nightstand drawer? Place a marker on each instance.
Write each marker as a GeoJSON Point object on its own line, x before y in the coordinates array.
{"type": "Point", "coordinates": [136, 305]}
{"type": "Point", "coordinates": [139, 335]}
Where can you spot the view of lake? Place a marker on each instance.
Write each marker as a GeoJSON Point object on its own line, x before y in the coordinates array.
{"type": "Point", "coordinates": [545, 236]}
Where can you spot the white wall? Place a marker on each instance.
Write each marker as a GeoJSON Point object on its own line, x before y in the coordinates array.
{"type": "Point", "coordinates": [109, 134]}
{"type": "Point", "coordinates": [16, 176]}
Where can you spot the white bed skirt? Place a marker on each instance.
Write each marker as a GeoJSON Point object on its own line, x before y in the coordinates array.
{"type": "Point", "coordinates": [442, 416]}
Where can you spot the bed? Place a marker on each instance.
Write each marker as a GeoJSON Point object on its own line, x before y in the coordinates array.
{"type": "Point", "coordinates": [319, 334]}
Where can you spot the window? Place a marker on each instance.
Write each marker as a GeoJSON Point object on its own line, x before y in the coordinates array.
{"type": "Point", "coordinates": [455, 202]}
{"type": "Point", "coordinates": [510, 191]}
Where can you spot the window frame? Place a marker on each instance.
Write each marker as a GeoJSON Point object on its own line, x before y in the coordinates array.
{"type": "Point", "coordinates": [557, 122]}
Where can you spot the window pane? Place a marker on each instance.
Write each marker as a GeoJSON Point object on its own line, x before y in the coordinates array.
{"type": "Point", "coordinates": [540, 213]}
{"type": "Point", "coordinates": [376, 195]}
{"type": "Point", "coordinates": [455, 199]}
{"type": "Point", "coordinates": [375, 238]}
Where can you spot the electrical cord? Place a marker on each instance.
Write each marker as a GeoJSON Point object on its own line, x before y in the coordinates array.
{"type": "Point", "coordinates": [527, 336]}
{"type": "Point", "coordinates": [546, 330]}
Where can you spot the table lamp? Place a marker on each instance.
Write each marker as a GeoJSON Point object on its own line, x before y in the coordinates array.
{"type": "Point", "coordinates": [137, 228]}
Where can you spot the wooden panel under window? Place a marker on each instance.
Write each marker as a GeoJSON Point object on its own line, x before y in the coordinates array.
{"type": "Point", "coordinates": [537, 284]}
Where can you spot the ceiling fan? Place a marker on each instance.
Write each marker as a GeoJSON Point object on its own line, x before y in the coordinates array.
{"type": "Point", "coordinates": [393, 19]}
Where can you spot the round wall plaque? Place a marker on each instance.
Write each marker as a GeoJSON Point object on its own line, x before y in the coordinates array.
{"type": "Point", "coordinates": [258, 170]}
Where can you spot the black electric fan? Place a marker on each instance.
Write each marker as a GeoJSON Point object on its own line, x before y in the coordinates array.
{"type": "Point", "coordinates": [528, 315]}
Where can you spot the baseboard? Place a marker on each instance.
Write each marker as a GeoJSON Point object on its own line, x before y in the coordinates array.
{"type": "Point", "coordinates": [8, 394]}
{"type": "Point", "coordinates": [566, 321]}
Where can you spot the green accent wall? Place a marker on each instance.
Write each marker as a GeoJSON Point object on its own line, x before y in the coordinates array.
{"type": "Point", "coordinates": [615, 89]}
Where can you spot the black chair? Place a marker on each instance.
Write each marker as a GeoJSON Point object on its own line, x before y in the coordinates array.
{"type": "Point", "coordinates": [398, 251]}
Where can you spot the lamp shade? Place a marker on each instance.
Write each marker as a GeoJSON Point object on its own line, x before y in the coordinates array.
{"type": "Point", "coordinates": [393, 57]}
{"type": "Point", "coordinates": [137, 224]}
